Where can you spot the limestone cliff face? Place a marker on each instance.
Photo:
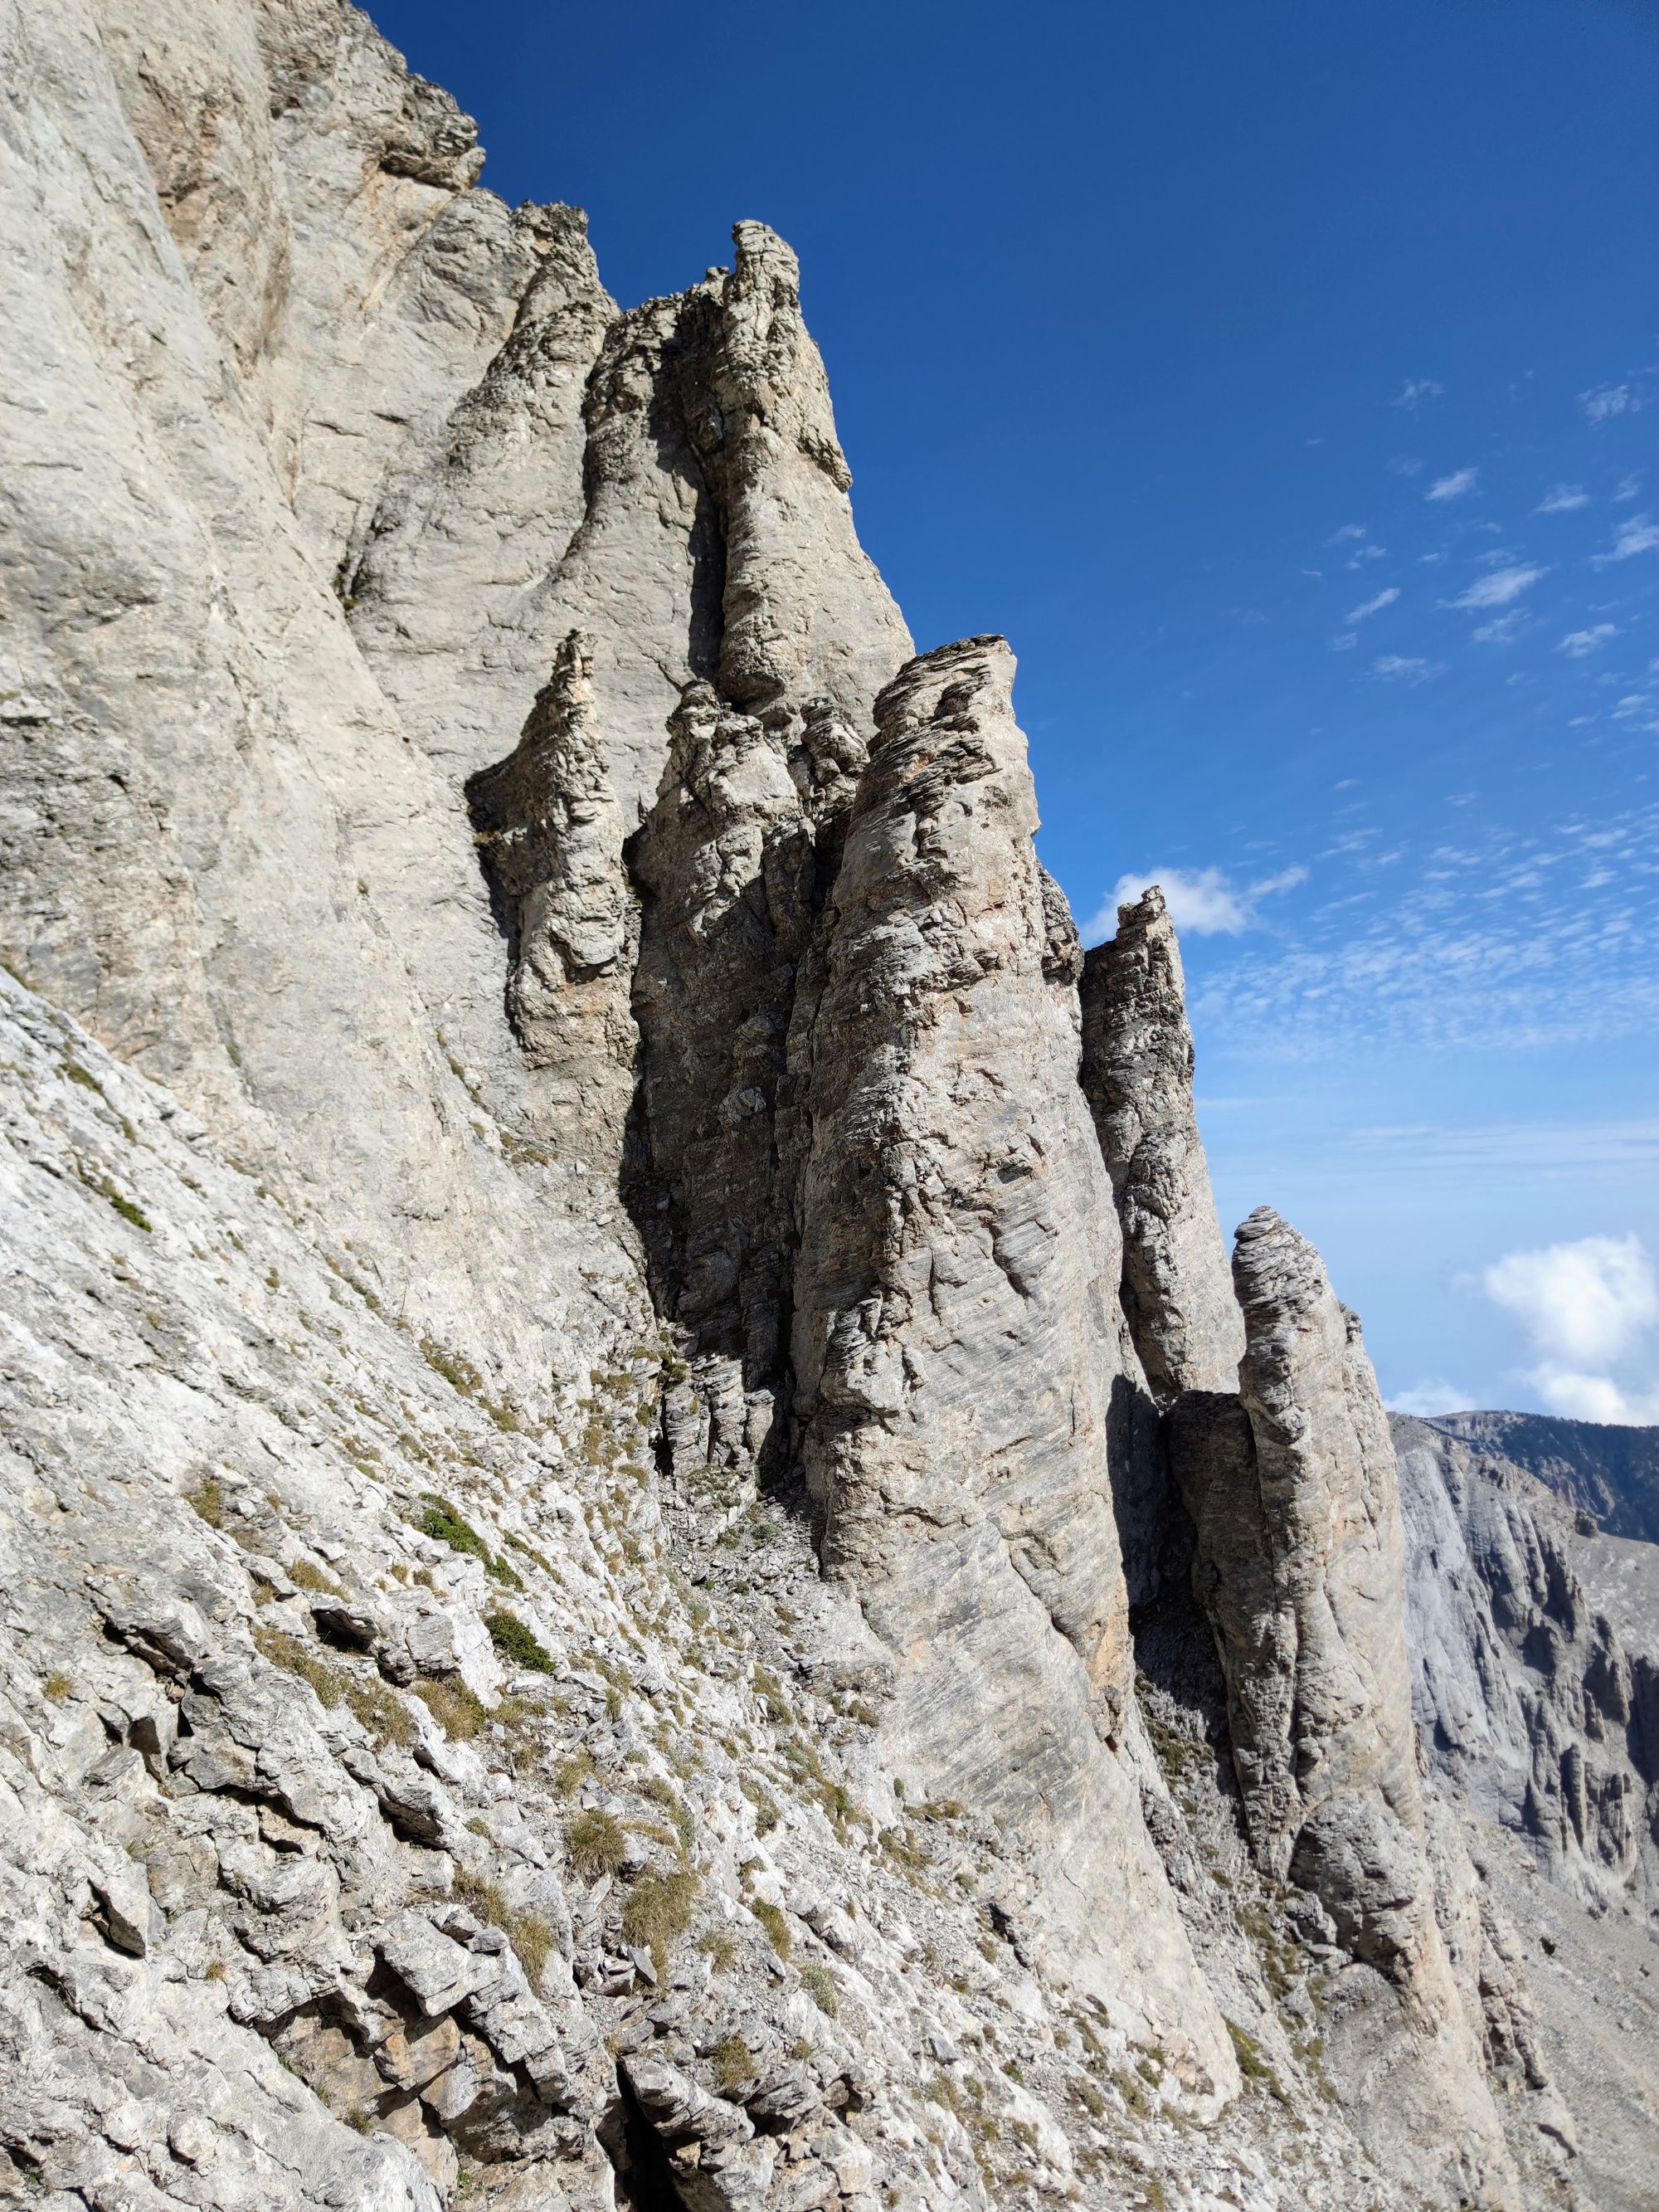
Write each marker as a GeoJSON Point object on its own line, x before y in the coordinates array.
{"type": "Point", "coordinates": [1536, 1675]}
{"type": "Point", "coordinates": [591, 1316]}
{"type": "Point", "coordinates": [1298, 1564]}
{"type": "Point", "coordinates": [1137, 1073]}
{"type": "Point", "coordinates": [964, 1375]}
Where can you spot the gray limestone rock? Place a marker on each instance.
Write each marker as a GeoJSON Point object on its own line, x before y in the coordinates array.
{"type": "Point", "coordinates": [1138, 1075]}
{"type": "Point", "coordinates": [578, 1377]}
{"type": "Point", "coordinates": [1298, 1564]}
{"type": "Point", "coordinates": [963, 1375]}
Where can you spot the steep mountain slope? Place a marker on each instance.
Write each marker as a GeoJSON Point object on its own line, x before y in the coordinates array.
{"type": "Point", "coordinates": [650, 1555]}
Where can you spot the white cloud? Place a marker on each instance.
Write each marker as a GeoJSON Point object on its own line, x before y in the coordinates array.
{"type": "Point", "coordinates": [1627, 488]}
{"type": "Point", "coordinates": [1404, 668]}
{"type": "Point", "coordinates": [1345, 641]}
{"type": "Point", "coordinates": [1579, 642]}
{"type": "Point", "coordinates": [1497, 589]}
{"type": "Point", "coordinates": [1417, 389]}
{"type": "Point", "coordinates": [1561, 499]}
{"type": "Point", "coordinates": [1385, 599]}
{"type": "Point", "coordinates": [1349, 529]}
{"type": "Point", "coordinates": [1498, 631]}
{"type": "Point", "coordinates": [1608, 399]}
{"type": "Point", "coordinates": [1285, 880]}
{"type": "Point", "coordinates": [1638, 535]}
{"type": "Point", "coordinates": [1406, 465]}
{"type": "Point", "coordinates": [1594, 1397]}
{"type": "Point", "coordinates": [1581, 1303]}
{"type": "Point", "coordinates": [1454, 486]}
{"type": "Point", "coordinates": [1486, 936]}
{"type": "Point", "coordinates": [1427, 1399]}
{"type": "Point", "coordinates": [1203, 900]}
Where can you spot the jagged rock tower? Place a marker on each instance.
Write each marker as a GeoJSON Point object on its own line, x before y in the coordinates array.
{"type": "Point", "coordinates": [619, 1373]}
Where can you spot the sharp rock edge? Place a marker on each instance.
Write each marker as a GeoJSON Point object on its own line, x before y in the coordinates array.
{"type": "Point", "coordinates": [651, 1558]}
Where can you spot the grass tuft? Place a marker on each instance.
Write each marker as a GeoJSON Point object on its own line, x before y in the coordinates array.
{"type": "Point", "coordinates": [207, 1501]}
{"type": "Point", "coordinates": [459, 1711]}
{"type": "Point", "coordinates": [595, 1844]}
{"type": "Point", "coordinates": [819, 1985]}
{"type": "Point", "coordinates": [774, 1919]}
{"type": "Point", "coordinates": [293, 1657]}
{"type": "Point", "coordinates": [658, 1910]}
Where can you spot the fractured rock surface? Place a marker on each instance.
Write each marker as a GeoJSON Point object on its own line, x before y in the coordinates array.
{"type": "Point", "coordinates": [1298, 1564]}
{"type": "Point", "coordinates": [1137, 1073]}
{"type": "Point", "coordinates": [597, 1300]}
{"type": "Point", "coordinates": [964, 1375]}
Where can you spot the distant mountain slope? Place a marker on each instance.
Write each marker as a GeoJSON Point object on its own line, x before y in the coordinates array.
{"type": "Point", "coordinates": [1613, 1472]}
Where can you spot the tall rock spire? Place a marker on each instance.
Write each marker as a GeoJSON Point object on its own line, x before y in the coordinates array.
{"type": "Point", "coordinates": [1298, 1564]}
{"type": "Point", "coordinates": [1138, 1075]}
{"type": "Point", "coordinates": [963, 1377]}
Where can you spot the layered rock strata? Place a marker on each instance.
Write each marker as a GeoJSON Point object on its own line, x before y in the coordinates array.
{"type": "Point", "coordinates": [1298, 1565]}
{"type": "Point", "coordinates": [580, 1368]}
{"type": "Point", "coordinates": [964, 1377]}
{"type": "Point", "coordinates": [1137, 1074]}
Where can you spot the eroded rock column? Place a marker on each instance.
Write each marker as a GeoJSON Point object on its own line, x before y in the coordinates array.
{"type": "Point", "coordinates": [1298, 1564]}
{"type": "Point", "coordinates": [964, 1372]}
{"type": "Point", "coordinates": [1137, 1073]}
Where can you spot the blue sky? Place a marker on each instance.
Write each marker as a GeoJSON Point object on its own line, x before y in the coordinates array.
{"type": "Point", "coordinates": [1283, 383]}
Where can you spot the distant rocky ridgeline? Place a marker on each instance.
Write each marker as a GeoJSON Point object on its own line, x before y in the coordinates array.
{"type": "Point", "coordinates": [655, 1555]}
{"type": "Point", "coordinates": [1611, 1471]}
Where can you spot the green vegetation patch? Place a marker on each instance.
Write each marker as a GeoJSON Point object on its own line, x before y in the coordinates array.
{"type": "Point", "coordinates": [514, 1641]}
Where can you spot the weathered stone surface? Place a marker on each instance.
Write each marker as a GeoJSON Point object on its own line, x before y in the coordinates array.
{"type": "Point", "coordinates": [1137, 1073]}
{"type": "Point", "coordinates": [1299, 1566]}
{"type": "Point", "coordinates": [1536, 1680]}
{"type": "Point", "coordinates": [567, 1042]}
{"type": "Point", "coordinates": [965, 1377]}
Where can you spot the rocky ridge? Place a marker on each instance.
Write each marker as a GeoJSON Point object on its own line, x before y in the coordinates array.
{"type": "Point", "coordinates": [651, 1559]}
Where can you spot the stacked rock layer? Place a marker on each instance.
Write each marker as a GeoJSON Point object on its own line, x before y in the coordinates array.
{"type": "Point", "coordinates": [651, 1557]}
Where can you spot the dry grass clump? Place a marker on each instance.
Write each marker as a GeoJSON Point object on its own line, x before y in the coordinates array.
{"type": "Point", "coordinates": [819, 1985]}
{"type": "Point", "coordinates": [774, 1919]}
{"type": "Point", "coordinates": [658, 1911]}
{"type": "Point", "coordinates": [459, 1711]}
{"type": "Point", "coordinates": [527, 1932]}
{"type": "Point", "coordinates": [386, 1718]}
{"type": "Point", "coordinates": [296, 1658]}
{"type": "Point", "coordinates": [304, 1576]}
{"type": "Point", "coordinates": [595, 1844]}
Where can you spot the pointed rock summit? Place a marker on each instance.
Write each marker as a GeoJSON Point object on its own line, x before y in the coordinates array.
{"type": "Point", "coordinates": [652, 1557]}
{"type": "Point", "coordinates": [1138, 1075]}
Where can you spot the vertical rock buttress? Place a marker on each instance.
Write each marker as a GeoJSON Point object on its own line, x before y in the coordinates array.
{"type": "Point", "coordinates": [1137, 1073]}
{"type": "Point", "coordinates": [1298, 1565]}
{"type": "Point", "coordinates": [963, 1374]}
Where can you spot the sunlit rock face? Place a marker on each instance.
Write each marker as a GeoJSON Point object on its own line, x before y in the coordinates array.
{"type": "Point", "coordinates": [1138, 1073]}
{"type": "Point", "coordinates": [597, 1298]}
